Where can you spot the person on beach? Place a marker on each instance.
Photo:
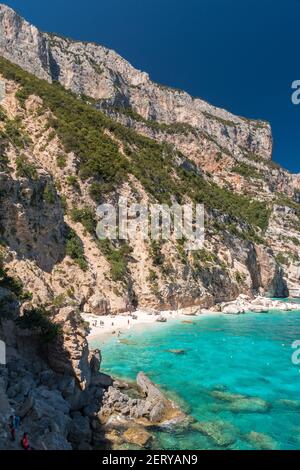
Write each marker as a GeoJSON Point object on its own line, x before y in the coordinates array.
{"type": "Point", "coordinates": [17, 422]}
{"type": "Point", "coordinates": [25, 442]}
{"type": "Point", "coordinates": [12, 428]}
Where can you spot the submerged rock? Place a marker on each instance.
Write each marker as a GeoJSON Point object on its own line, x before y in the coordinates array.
{"type": "Point", "coordinates": [249, 405]}
{"type": "Point", "coordinates": [221, 433]}
{"type": "Point", "coordinates": [128, 342]}
{"type": "Point", "coordinates": [261, 441]}
{"type": "Point", "coordinates": [137, 435]}
{"type": "Point", "coordinates": [178, 352]}
{"type": "Point", "coordinates": [240, 403]}
{"type": "Point", "coordinates": [291, 404]}
{"type": "Point", "coordinates": [222, 394]}
{"type": "Point", "coordinates": [114, 437]}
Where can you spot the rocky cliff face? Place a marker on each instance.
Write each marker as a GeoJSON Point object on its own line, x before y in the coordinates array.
{"type": "Point", "coordinates": [24, 42]}
{"type": "Point", "coordinates": [33, 385]}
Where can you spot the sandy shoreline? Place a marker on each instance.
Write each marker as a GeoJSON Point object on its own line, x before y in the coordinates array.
{"type": "Point", "coordinates": [106, 326]}
{"type": "Point", "coordinates": [118, 324]}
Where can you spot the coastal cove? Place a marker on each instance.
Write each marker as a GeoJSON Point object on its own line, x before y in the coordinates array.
{"type": "Point", "coordinates": [233, 374]}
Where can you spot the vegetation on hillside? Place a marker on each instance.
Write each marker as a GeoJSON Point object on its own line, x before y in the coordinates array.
{"type": "Point", "coordinates": [118, 258]}
{"type": "Point", "coordinates": [247, 171]}
{"type": "Point", "coordinates": [75, 250]}
{"type": "Point", "coordinates": [96, 140]}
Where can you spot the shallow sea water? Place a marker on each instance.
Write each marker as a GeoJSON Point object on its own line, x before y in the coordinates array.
{"type": "Point", "coordinates": [234, 372]}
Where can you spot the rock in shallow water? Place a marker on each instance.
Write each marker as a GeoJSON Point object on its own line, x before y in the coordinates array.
{"type": "Point", "coordinates": [261, 441]}
{"type": "Point", "coordinates": [178, 352]}
{"type": "Point", "coordinates": [221, 433]}
{"type": "Point", "coordinates": [288, 404]}
{"type": "Point", "coordinates": [137, 436]}
{"type": "Point", "coordinates": [240, 403]}
{"type": "Point", "coordinates": [114, 437]}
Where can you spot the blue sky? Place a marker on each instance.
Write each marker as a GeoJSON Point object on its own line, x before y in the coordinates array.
{"type": "Point", "coordinates": [242, 55]}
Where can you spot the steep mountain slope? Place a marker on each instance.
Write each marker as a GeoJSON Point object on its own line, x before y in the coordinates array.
{"type": "Point", "coordinates": [97, 72]}
{"type": "Point", "coordinates": [156, 145]}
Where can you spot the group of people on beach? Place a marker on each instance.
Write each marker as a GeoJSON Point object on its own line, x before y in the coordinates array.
{"type": "Point", "coordinates": [95, 323]}
{"type": "Point", "coordinates": [14, 425]}
{"type": "Point", "coordinates": [101, 323]}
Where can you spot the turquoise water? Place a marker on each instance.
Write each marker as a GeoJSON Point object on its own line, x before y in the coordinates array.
{"type": "Point", "coordinates": [249, 355]}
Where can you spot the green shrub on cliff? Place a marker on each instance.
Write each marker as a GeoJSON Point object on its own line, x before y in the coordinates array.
{"type": "Point", "coordinates": [15, 134]}
{"type": "Point", "coordinates": [282, 259]}
{"type": "Point", "coordinates": [247, 171]}
{"type": "Point", "coordinates": [49, 194]}
{"type": "Point", "coordinates": [13, 284]}
{"type": "Point", "coordinates": [240, 277]}
{"type": "Point", "coordinates": [74, 249]}
{"type": "Point", "coordinates": [86, 217]}
{"type": "Point", "coordinates": [204, 257]}
{"type": "Point", "coordinates": [38, 320]}
{"type": "Point", "coordinates": [25, 169]}
{"type": "Point", "coordinates": [118, 258]}
{"type": "Point", "coordinates": [61, 161]}
{"type": "Point", "coordinates": [3, 115]}
{"type": "Point", "coordinates": [156, 254]}
{"type": "Point", "coordinates": [72, 180]}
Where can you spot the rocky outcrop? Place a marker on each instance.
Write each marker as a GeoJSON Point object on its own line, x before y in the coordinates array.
{"type": "Point", "coordinates": [129, 420]}
{"type": "Point", "coordinates": [55, 410]}
{"type": "Point", "coordinates": [151, 406]}
{"type": "Point", "coordinates": [156, 404]}
{"type": "Point", "coordinates": [64, 404]}
{"type": "Point", "coordinates": [245, 304]}
{"type": "Point", "coordinates": [24, 42]}
{"type": "Point", "coordinates": [271, 274]}
{"type": "Point", "coordinates": [70, 352]}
